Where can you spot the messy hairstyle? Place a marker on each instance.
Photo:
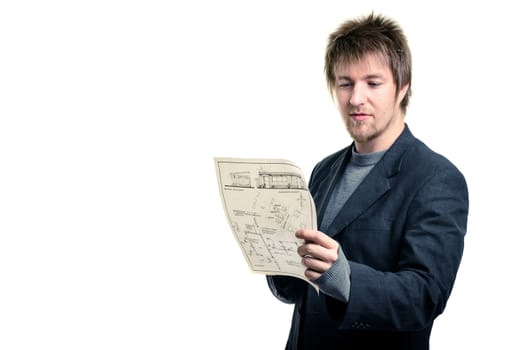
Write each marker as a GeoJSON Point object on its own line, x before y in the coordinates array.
{"type": "Point", "coordinates": [373, 34]}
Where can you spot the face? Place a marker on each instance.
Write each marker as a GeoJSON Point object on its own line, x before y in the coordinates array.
{"type": "Point", "coordinates": [368, 103]}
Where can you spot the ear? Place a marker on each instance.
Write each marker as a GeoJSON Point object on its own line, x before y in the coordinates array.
{"type": "Point", "coordinates": [402, 93]}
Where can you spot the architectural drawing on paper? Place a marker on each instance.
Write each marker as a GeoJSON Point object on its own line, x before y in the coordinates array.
{"type": "Point", "coordinates": [268, 237]}
{"type": "Point", "coordinates": [266, 201]}
{"type": "Point", "coordinates": [240, 179]}
{"type": "Point", "coordinates": [268, 180]}
{"type": "Point", "coordinates": [280, 180]}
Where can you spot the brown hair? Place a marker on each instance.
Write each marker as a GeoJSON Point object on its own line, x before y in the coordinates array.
{"type": "Point", "coordinates": [373, 34]}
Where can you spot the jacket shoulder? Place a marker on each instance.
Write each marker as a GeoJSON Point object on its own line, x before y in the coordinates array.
{"type": "Point", "coordinates": [421, 156]}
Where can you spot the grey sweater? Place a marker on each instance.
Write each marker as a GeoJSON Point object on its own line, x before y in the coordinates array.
{"type": "Point", "coordinates": [336, 281]}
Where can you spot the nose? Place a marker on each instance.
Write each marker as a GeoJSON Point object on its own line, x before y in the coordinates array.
{"type": "Point", "coordinates": [357, 95]}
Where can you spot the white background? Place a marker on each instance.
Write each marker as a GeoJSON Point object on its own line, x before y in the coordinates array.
{"type": "Point", "coordinates": [112, 233]}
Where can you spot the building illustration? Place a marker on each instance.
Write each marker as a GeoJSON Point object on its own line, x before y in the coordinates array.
{"type": "Point", "coordinates": [280, 180]}
{"type": "Point", "coordinates": [241, 179]}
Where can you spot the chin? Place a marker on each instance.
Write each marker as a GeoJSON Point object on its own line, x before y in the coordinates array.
{"type": "Point", "coordinates": [360, 139]}
{"type": "Point", "coordinates": [361, 136]}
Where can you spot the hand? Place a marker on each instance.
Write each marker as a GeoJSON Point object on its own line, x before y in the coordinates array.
{"type": "Point", "coordinates": [319, 252]}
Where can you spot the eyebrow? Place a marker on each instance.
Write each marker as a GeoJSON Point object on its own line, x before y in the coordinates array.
{"type": "Point", "coordinates": [367, 77]}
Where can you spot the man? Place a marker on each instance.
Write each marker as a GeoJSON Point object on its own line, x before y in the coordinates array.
{"type": "Point", "coordinates": [392, 214]}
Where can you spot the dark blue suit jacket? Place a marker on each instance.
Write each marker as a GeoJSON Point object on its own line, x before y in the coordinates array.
{"type": "Point", "coordinates": [402, 232]}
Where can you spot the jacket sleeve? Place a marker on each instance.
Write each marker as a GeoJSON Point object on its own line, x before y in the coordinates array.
{"type": "Point", "coordinates": [416, 291]}
{"type": "Point", "coordinates": [287, 289]}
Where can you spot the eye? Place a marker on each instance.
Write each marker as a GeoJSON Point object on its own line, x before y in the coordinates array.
{"type": "Point", "coordinates": [344, 85]}
{"type": "Point", "coordinates": [374, 83]}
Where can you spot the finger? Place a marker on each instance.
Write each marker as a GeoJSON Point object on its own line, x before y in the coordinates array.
{"type": "Point", "coordinates": [317, 237]}
{"type": "Point", "coordinates": [316, 265]}
{"type": "Point", "coordinates": [312, 275]}
{"type": "Point", "coordinates": [316, 251]}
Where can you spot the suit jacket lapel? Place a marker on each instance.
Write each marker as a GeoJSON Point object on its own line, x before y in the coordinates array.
{"type": "Point", "coordinates": [329, 183]}
{"type": "Point", "coordinates": [375, 184]}
{"type": "Point", "coordinates": [368, 192]}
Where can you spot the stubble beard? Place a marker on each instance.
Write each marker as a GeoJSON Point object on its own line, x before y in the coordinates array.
{"type": "Point", "coordinates": [365, 130]}
{"type": "Point", "coordinates": [362, 132]}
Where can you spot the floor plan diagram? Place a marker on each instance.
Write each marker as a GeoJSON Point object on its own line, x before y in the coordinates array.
{"type": "Point", "coordinates": [266, 201]}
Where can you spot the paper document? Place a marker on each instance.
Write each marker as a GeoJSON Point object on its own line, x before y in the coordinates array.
{"type": "Point", "coordinates": [266, 201]}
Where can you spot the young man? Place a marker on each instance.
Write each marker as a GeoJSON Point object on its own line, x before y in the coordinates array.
{"type": "Point", "coordinates": [392, 213]}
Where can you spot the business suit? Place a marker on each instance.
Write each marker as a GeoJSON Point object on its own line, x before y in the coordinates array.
{"type": "Point", "coordinates": [402, 232]}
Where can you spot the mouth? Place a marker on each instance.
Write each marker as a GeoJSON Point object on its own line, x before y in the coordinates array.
{"type": "Point", "coordinates": [359, 116]}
